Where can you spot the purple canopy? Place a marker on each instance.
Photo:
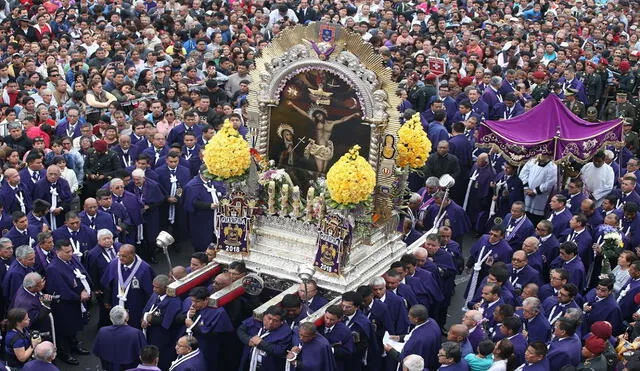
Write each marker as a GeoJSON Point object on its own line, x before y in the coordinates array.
{"type": "Point", "coordinates": [551, 129]}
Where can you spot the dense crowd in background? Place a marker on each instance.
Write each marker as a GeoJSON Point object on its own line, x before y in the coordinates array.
{"type": "Point", "coordinates": [106, 107]}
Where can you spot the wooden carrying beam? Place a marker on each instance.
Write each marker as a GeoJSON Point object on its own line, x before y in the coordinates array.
{"type": "Point", "coordinates": [193, 279]}
{"type": "Point", "coordinates": [259, 311]}
{"type": "Point", "coordinates": [227, 294]}
{"type": "Point", "coordinates": [317, 317]}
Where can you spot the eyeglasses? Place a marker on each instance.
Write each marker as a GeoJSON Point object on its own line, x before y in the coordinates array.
{"type": "Point", "coordinates": [56, 75]}
{"type": "Point", "coordinates": [169, 114]}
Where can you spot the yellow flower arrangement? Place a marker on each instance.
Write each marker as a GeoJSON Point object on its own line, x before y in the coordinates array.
{"type": "Point", "coordinates": [351, 179]}
{"type": "Point", "coordinates": [413, 144]}
{"type": "Point", "coordinates": [227, 154]}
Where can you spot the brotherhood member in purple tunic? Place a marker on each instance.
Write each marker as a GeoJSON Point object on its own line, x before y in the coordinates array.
{"type": "Point", "coordinates": [521, 273]}
{"type": "Point", "coordinates": [134, 231]}
{"type": "Point", "coordinates": [208, 325]}
{"type": "Point", "coordinates": [151, 196]}
{"type": "Point", "coordinates": [498, 275]}
{"type": "Point", "coordinates": [13, 194]}
{"type": "Point", "coordinates": [116, 211]}
{"type": "Point", "coordinates": [536, 357]}
{"type": "Point", "coordinates": [377, 313]}
{"type": "Point", "coordinates": [570, 261]}
{"type": "Point", "coordinates": [21, 233]}
{"type": "Point", "coordinates": [510, 329]}
{"type": "Point", "coordinates": [394, 280]}
{"type": "Point", "coordinates": [628, 292]}
{"type": "Point", "coordinates": [23, 265]}
{"type": "Point", "coordinates": [67, 277]}
{"type": "Point", "coordinates": [395, 304]}
{"type": "Point", "coordinates": [82, 238]}
{"type": "Point", "coordinates": [488, 249]}
{"type": "Point", "coordinates": [266, 342]}
{"type": "Point", "coordinates": [560, 214]}
{"type": "Point", "coordinates": [189, 356]}
{"type": "Point", "coordinates": [43, 354]}
{"type": "Point", "coordinates": [97, 261]}
{"type": "Point", "coordinates": [556, 306]}
{"type": "Point", "coordinates": [549, 244]}
{"type": "Point", "coordinates": [473, 320]}
{"type": "Point", "coordinates": [631, 225]}
{"type": "Point", "coordinates": [578, 234]}
{"type": "Point", "coordinates": [594, 219]}
{"type": "Point", "coordinates": [201, 203]}
{"type": "Point", "coordinates": [96, 219]}
{"type": "Point", "coordinates": [453, 216]}
{"type": "Point", "coordinates": [308, 292]}
{"type": "Point", "coordinates": [118, 346]}
{"type": "Point", "coordinates": [477, 200]}
{"type": "Point", "coordinates": [34, 171]}
{"type": "Point", "coordinates": [627, 192]}
{"type": "Point", "coordinates": [338, 335]}
{"type": "Point", "coordinates": [157, 150]}
{"type": "Point", "coordinates": [158, 321]}
{"type": "Point", "coordinates": [29, 298]}
{"type": "Point", "coordinates": [310, 351]}
{"type": "Point", "coordinates": [173, 177]}
{"type": "Point", "coordinates": [508, 189]}
{"type": "Point", "coordinates": [37, 215]}
{"type": "Point", "coordinates": [424, 339]}
{"type": "Point", "coordinates": [358, 324]}
{"type": "Point", "coordinates": [574, 195]}
{"type": "Point", "coordinates": [422, 283]}
{"type": "Point", "coordinates": [565, 347]}
{"type": "Point", "coordinates": [517, 226]}
{"type": "Point", "coordinates": [127, 282]}
{"type": "Point", "coordinates": [600, 305]}
{"type": "Point", "coordinates": [534, 322]}
{"type": "Point", "coordinates": [446, 270]}
{"type": "Point", "coordinates": [55, 190]}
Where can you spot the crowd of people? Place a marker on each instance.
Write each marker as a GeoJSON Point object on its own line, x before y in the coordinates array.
{"type": "Point", "coordinates": [106, 106]}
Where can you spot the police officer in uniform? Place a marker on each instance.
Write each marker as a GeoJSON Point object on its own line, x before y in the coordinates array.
{"type": "Point", "coordinates": [592, 114]}
{"type": "Point", "coordinates": [592, 84]}
{"type": "Point", "coordinates": [573, 104]}
{"type": "Point", "coordinates": [541, 90]}
{"type": "Point", "coordinates": [620, 108]}
{"type": "Point", "coordinates": [631, 140]}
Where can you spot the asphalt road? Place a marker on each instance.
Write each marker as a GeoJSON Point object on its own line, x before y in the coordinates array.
{"type": "Point", "coordinates": [91, 363]}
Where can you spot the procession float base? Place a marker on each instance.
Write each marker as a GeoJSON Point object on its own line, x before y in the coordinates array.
{"type": "Point", "coordinates": [282, 247]}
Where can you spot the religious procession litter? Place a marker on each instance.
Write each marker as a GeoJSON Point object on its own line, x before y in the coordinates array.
{"type": "Point", "coordinates": [319, 185]}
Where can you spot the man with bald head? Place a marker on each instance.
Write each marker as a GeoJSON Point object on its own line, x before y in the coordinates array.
{"type": "Point", "coordinates": [478, 197]}
{"type": "Point", "coordinates": [521, 273]}
{"type": "Point", "coordinates": [458, 334]}
{"type": "Point", "coordinates": [149, 194]}
{"type": "Point", "coordinates": [96, 219]}
{"type": "Point", "coordinates": [129, 201]}
{"type": "Point", "coordinates": [55, 190]}
{"type": "Point", "coordinates": [440, 163]}
{"type": "Point", "coordinates": [13, 194]}
{"type": "Point", "coordinates": [594, 219]}
{"type": "Point", "coordinates": [43, 354]}
{"type": "Point", "coordinates": [531, 246]}
{"type": "Point", "coordinates": [178, 272]}
{"type": "Point", "coordinates": [158, 319]}
{"type": "Point", "coordinates": [472, 319]}
{"type": "Point", "coordinates": [220, 282]}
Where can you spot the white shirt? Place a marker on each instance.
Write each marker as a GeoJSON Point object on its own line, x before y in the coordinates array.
{"type": "Point", "coordinates": [598, 181]}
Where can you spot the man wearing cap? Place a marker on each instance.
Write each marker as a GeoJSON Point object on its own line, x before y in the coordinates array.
{"type": "Point", "coordinates": [25, 29]}
{"type": "Point", "coordinates": [620, 108]}
{"type": "Point", "coordinates": [631, 140]}
{"type": "Point", "coordinates": [541, 89]}
{"type": "Point", "coordinates": [574, 105]}
{"type": "Point", "coordinates": [592, 358]}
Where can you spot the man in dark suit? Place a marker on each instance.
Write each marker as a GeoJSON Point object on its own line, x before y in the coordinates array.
{"type": "Point", "coordinates": [305, 13]}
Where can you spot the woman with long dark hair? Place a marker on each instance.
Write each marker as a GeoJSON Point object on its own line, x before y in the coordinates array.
{"type": "Point", "coordinates": [504, 358]}
{"type": "Point", "coordinates": [19, 344]}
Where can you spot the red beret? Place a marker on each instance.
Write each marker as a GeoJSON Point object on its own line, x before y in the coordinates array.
{"type": "Point", "coordinates": [539, 75]}
{"type": "Point", "coordinates": [625, 66]}
{"type": "Point", "coordinates": [465, 81]}
{"type": "Point", "coordinates": [100, 146]}
{"type": "Point", "coordinates": [430, 77]}
{"type": "Point", "coordinates": [636, 299]}
{"type": "Point", "coordinates": [594, 344]}
{"type": "Point", "coordinates": [602, 329]}
{"type": "Point", "coordinates": [604, 61]}
{"type": "Point", "coordinates": [590, 63]}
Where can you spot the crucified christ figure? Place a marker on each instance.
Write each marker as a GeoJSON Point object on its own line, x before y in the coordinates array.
{"type": "Point", "coordinates": [321, 148]}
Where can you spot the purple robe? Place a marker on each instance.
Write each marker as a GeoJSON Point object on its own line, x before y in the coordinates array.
{"type": "Point", "coordinates": [398, 311]}
{"type": "Point", "coordinates": [118, 346]}
{"type": "Point", "coordinates": [538, 328]}
{"type": "Point", "coordinates": [506, 293]}
{"type": "Point", "coordinates": [510, 190]}
{"type": "Point", "coordinates": [176, 135]}
{"type": "Point", "coordinates": [480, 194]}
{"type": "Point", "coordinates": [564, 352]}
{"type": "Point", "coordinates": [27, 180]}
{"type": "Point", "coordinates": [576, 271]}
{"type": "Point", "coordinates": [540, 366]}
{"type": "Point", "coordinates": [631, 230]}
{"type": "Point", "coordinates": [274, 345]}
{"type": "Point", "coordinates": [517, 230]}
{"type": "Point", "coordinates": [84, 238]}
{"type": "Point", "coordinates": [500, 251]}
{"type": "Point", "coordinates": [462, 149]}
{"type": "Point", "coordinates": [550, 249]}
{"type": "Point", "coordinates": [42, 190]}
{"type": "Point", "coordinates": [378, 314]}
{"type": "Point", "coordinates": [37, 222]}
{"type": "Point", "coordinates": [19, 238]}
{"type": "Point", "coordinates": [555, 310]}
{"type": "Point", "coordinates": [606, 309]}
{"type": "Point", "coordinates": [454, 217]}
{"type": "Point", "coordinates": [520, 278]}
{"type": "Point", "coordinates": [12, 281]}
{"type": "Point", "coordinates": [97, 262]}
{"type": "Point", "coordinates": [162, 332]}
{"type": "Point", "coordinates": [145, 368]}
{"type": "Point", "coordinates": [151, 195]}
{"type": "Point", "coordinates": [626, 298]}
{"type": "Point", "coordinates": [341, 340]}
{"type": "Point", "coordinates": [560, 221]}
{"type": "Point", "coordinates": [196, 203]}
{"type": "Point", "coordinates": [317, 302]}
{"type": "Point", "coordinates": [574, 201]}
{"type": "Point", "coordinates": [519, 346]}
{"type": "Point", "coordinates": [62, 281]}
{"type": "Point", "coordinates": [426, 288]}
{"type": "Point", "coordinates": [359, 323]}
{"type": "Point", "coordinates": [134, 212]}
{"type": "Point", "coordinates": [315, 355]}
{"type": "Point", "coordinates": [193, 361]}
{"type": "Point", "coordinates": [585, 245]}
{"type": "Point", "coordinates": [31, 303]}
{"type": "Point", "coordinates": [213, 325]}
{"type": "Point", "coordinates": [425, 340]}
{"type": "Point", "coordinates": [137, 295]}
{"type": "Point", "coordinates": [126, 159]}
{"type": "Point", "coordinates": [101, 220]}
{"type": "Point", "coordinates": [120, 217]}
{"type": "Point", "coordinates": [183, 177]}
{"type": "Point", "coordinates": [38, 365]}
{"type": "Point", "coordinates": [536, 262]}
{"type": "Point", "coordinates": [476, 336]}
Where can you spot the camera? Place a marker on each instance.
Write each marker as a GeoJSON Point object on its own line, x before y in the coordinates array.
{"type": "Point", "coordinates": [37, 334]}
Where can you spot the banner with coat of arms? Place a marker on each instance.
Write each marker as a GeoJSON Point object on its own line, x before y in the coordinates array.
{"type": "Point", "coordinates": [334, 239]}
{"type": "Point", "coordinates": [234, 221]}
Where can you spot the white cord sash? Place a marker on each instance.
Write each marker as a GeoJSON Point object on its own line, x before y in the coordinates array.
{"type": "Point", "coordinates": [124, 285]}
{"type": "Point", "coordinates": [257, 353]}
{"type": "Point", "coordinates": [54, 205]}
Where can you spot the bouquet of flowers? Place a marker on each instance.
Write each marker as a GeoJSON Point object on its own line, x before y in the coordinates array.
{"type": "Point", "coordinates": [276, 175]}
{"type": "Point", "coordinates": [413, 144]}
{"type": "Point", "coordinates": [227, 154]}
{"type": "Point", "coordinates": [351, 180]}
{"type": "Point", "coordinates": [611, 246]}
